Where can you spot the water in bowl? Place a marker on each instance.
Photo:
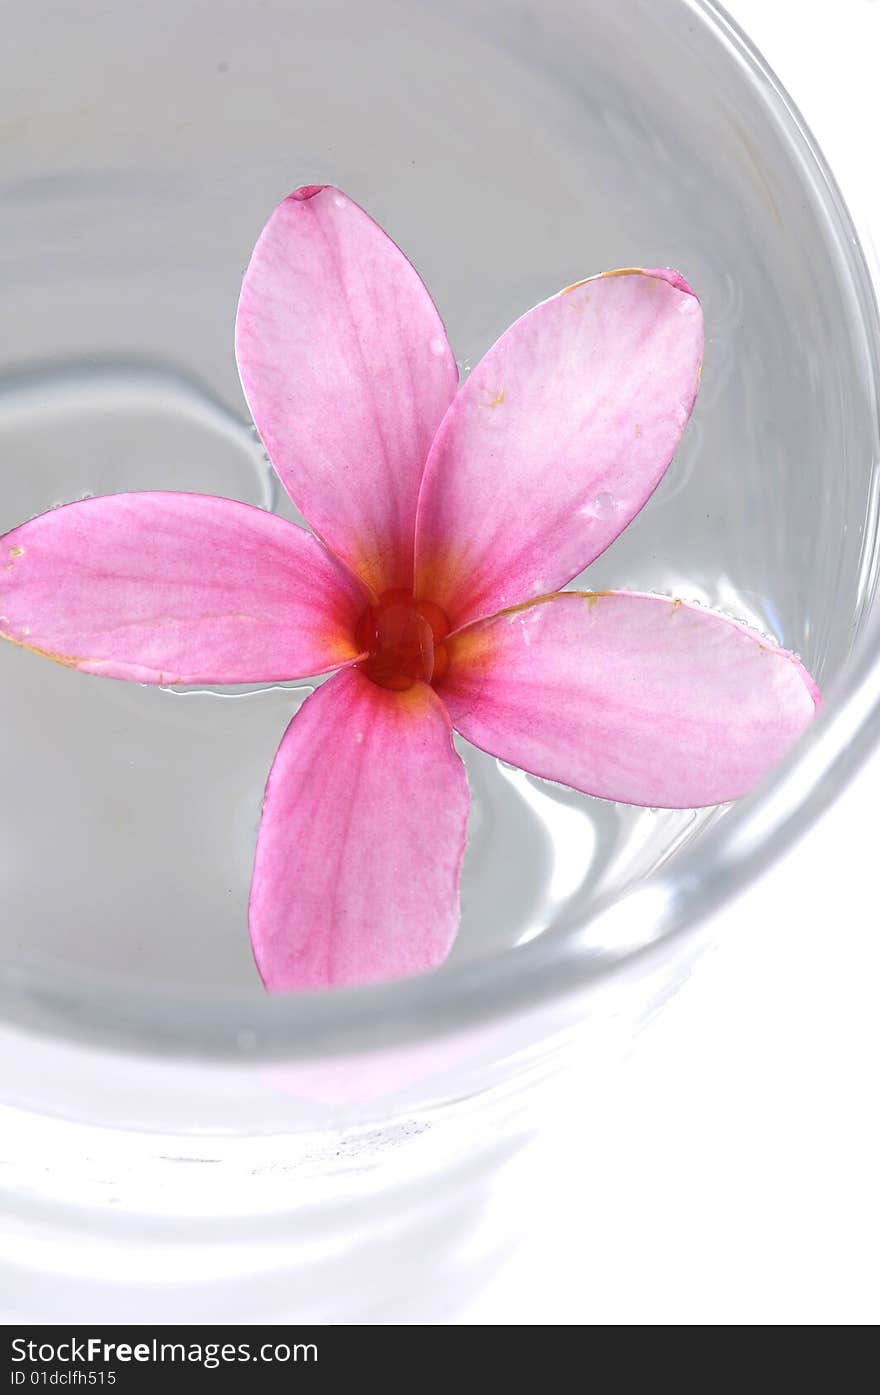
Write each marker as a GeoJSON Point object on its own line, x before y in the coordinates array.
{"type": "Point", "coordinates": [510, 150]}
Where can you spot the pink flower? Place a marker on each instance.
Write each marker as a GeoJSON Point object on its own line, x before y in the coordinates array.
{"type": "Point", "coordinates": [439, 513]}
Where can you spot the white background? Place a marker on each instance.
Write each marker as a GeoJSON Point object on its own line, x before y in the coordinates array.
{"type": "Point", "coordinates": [728, 1171]}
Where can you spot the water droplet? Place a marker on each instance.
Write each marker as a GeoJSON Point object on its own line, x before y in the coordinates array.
{"type": "Point", "coordinates": [340, 200]}
{"type": "Point", "coordinates": [604, 505]}
{"type": "Point", "coordinates": [438, 347]}
{"type": "Point", "coordinates": [359, 736]}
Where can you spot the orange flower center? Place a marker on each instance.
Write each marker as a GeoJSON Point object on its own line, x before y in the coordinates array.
{"type": "Point", "coordinates": [404, 640]}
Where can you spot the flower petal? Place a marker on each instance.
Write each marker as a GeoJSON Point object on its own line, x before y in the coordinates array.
{"type": "Point", "coordinates": [347, 371]}
{"type": "Point", "coordinates": [556, 440]}
{"type": "Point", "coordinates": [177, 588]}
{"type": "Point", "coordinates": [632, 697]}
{"type": "Point", "coordinates": [363, 832]}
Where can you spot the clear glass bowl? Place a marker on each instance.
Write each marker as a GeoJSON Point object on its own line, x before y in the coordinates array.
{"type": "Point", "coordinates": [181, 1120]}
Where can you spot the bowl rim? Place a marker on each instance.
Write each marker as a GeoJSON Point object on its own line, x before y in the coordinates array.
{"type": "Point", "coordinates": [635, 927]}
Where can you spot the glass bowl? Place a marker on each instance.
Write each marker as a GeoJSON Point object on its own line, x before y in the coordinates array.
{"type": "Point", "coordinates": [205, 1139]}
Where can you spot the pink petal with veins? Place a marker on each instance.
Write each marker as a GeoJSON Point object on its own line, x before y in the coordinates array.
{"type": "Point", "coordinates": [363, 832]}
{"type": "Point", "coordinates": [347, 371]}
{"type": "Point", "coordinates": [176, 588]}
{"type": "Point", "coordinates": [556, 440]}
{"type": "Point", "coordinates": [627, 696]}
